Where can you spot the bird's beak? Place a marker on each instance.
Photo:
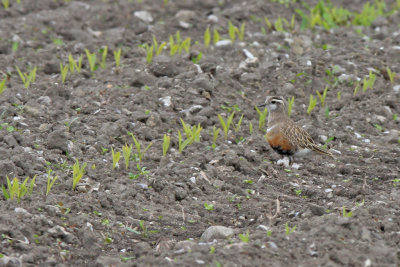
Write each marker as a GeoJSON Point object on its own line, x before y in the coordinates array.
{"type": "Point", "coordinates": [262, 105]}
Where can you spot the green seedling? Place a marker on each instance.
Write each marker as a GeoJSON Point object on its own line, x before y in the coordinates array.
{"type": "Point", "coordinates": [117, 57]}
{"type": "Point", "coordinates": [77, 173]}
{"type": "Point", "coordinates": [226, 125]}
{"type": "Point", "coordinates": [192, 132]}
{"type": "Point", "coordinates": [2, 86]}
{"type": "Point", "coordinates": [209, 207]}
{"type": "Point", "coordinates": [197, 59]}
{"type": "Point", "coordinates": [149, 53]}
{"type": "Point", "coordinates": [17, 190]}
{"type": "Point", "coordinates": [237, 126]}
{"type": "Point", "coordinates": [63, 71]}
{"type": "Point", "coordinates": [268, 23]}
{"type": "Point", "coordinates": [92, 60]}
{"type": "Point", "coordinates": [27, 79]}
{"type": "Point", "coordinates": [14, 46]}
{"type": "Point", "coordinates": [140, 152]}
{"type": "Point", "coordinates": [185, 45]}
{"type": "Point", "coordinates": [166, 143]}
{"type": "Point", "coordinates": [278, 25]}
{"type": "Point", "coordinates": [158, 48]}
{"type": "Point", "coordinates": [391, 74]}
{"type": "Point", "coordinates": [369, 83]}
{"type": "Point", "coordinates": [395, 117]}
{"type": "Point", "coordinates": [50, 180]}
{"type": "Point", "coordinates": [356, 89]}
{"type": "Point", "coordinates": [126, 152]}
{"type": "Point", "coordinates": [216, 36]}
{"type": "Point", "coordinates": [262, 115]}
{"type": "Point", "coordinates": [240, 32]}
{"type": "Point", "coordinates": [339, 95]}
{"type": "Point", "coordinates": [207, 37]}
{"type": "Point", "coordinates": [115, 158]}
{"type": "Point", "coordinates": [290, 105]}
{"type": "Point", "coordinates": [142, 170]}
{"type": "Point", "coordinates": [251, 128]}
{"type": "Point", "coordinates": [298, 192]}
{"type": "Point", "coordinates": [231, 31]}
{"type": "Point", "coordinates": [6, 4]}
{"type": "Point", "coordinates": [327, 113]}
{"type": "Point", "coordinates": [215, 136]}
{"type": "Point", "coordinates": [103, 51]}
{"type": "Point", "coordinates": [312, 104]}
{"type": "Point", "coordinates": [322, 96]}
{"type": "Point", "coordinates": [289, 230]}
{"type": "Point", "coordinates": [73, 65]}
{"type": "Point", "coordinates": [395, 182]}
{"type": "Point", "coordinates": [182, 144]}
{"type": "Point", "coordinates": [245, 237]}
{"type": "Point", "coordinates": [347, 214]}
{"type": "Point", "coordinates": [212, 250]}
{"type": "Point", "coordinates": [330, 139]}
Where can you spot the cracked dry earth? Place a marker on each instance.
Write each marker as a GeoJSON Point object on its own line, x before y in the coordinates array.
{"type": "Point", "coordinates": [198, 207]}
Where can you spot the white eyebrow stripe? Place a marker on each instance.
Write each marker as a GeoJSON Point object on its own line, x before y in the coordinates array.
{"type": "Point", "coordinates": [270, 128]}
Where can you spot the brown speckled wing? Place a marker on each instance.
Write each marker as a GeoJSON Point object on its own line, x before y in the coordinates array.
{"type": "Point", "coordinates": [298, 136]}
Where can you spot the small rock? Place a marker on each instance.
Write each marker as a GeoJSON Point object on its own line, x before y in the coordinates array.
{"type": "Point", "coordinates": [316, 209]}
{"type": "Point", "coordinates": [185, 15]}
{"type": "Point", "coordinates": [44, 100]}
{"type": "Point", "coordinates": [272, 245]}
{"type": "Point", "coordinates": [21, 210]}
{"type": "Point", "coordinates": [223, 43]}
{"type": "Point", "coordinates": [58, 140]}
{"type": "Point", "coordinates": [180, 193]}
{"type": "Point", "coordinates": [212, 19]}
{"type": "Point", "coordinates": [166, 100]}
{"type": "Point", "coordinates": [144, 16]}
{"type": "Point", "coordinates": [396, 88]}
{"type": "Point", "coordinates": [217, 232]}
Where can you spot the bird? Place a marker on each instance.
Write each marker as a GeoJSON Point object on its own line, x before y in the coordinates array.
{"type": "Point", "coordinates": [284, 135]}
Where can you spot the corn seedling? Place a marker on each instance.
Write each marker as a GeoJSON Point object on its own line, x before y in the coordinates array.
{"type": "Point", "coordinates": [158, 48]}
{"type": "Point", "coordinates": [6, 4]}
{"type": "Point", "coordinates": [245, 237]}
{"type": "Point", "coordinates": [166, 143]}
{"type": "Point", "coordinates": [369, 83]}
{"type": "Point", "coordinates": [92, 60]}
{"type": "Point", "coordinates": [312, 104]}
{"type": "Point", "coordinates": [73, 65]}
{"type": "Point", "coordinates": [117, 57]}
{"type": "Point", "coordinates": [339, 95]}
{"type": "Point", "coordinates": [182, 145]}
{"type": "Point", "coordinates": [251, 128]}
{"type": "Point", "coordinates": [103, 51]}
{"type": "Point", "coordinates": [216, 36]}
{"type": "Point", "coordinates": [140, 152]}
{"type": "Point", "coordinates": [237, 126]}
{"type": "Point", "coordinates": [185, 45]}
{"type": "Point", "coordinates": [269, 24]}
{"type": "Point", "coordinates": [149, 53]}
{"type": "Point", "coordinates": [327, 113]}
{"type": "Point", "coordinates": [240, 32]}
{"type": "Point", "coordinates": [289, 230]}
{"type": "Point", "coordinates": [115, 158]}
{"type": "Point", "coordinates": [231, 31]}
{"type": "Point", "coordinates": [330, 139]}
{"type": "Point", "coordinates": [197, 59]}
{"type": "Point", "coordinates": [126, 152]}
{"type": "Point", "coordinates": [322, 96]}
{"type": "Point", "coordinates": [77, 173]}
{"type": "Point", "coordinates": [290, 25]}
{"type": "Point", "coordinates": [2, 86]}
{"type": "Point", "coordinates": [262, 115]}
{"type": "Point", "coordinates": [192, 132]}
{"type": "Point", "coordinates": [17, 190]}
{"type": "Point", "coordinates": [63, 71]}
{"type": "Point", "coordinates": [215, 136]}
{"type": "Point", "coordinates": [347, 214]}
{"type": "Point", "coordinates": [226, 125]}
{"type": "Point", "coordinates": [278, 25]}
{"type": "Point", "coordinates": [207, 37]}
{"type": "Point", "coordinates": [290, 105]}
{"type": "Point", "coordinates": [50, 181]}
{"type": "Point", "coordinates": [356, 89]}
{"type": "Point", "coordinates": [391, 74]}
{"type": "Point", "coordinates": [27, 79]}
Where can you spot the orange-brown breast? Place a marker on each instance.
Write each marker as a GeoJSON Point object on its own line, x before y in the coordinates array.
{"type": "Point", "coordinates": [280, 143]}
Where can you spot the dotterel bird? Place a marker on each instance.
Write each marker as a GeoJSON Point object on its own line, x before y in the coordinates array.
{"type": "Point", "coordinates": [284, 136]}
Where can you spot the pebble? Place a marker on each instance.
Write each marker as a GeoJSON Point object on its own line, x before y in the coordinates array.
{"type": "Point", "coordinates": [217, 232]}
{"type": "Point", "coordinates": [396, 88]}
{"type": "Point", "coordinates": [166, 100]}
{"type": "Point", "coordinates": [144, 16]}
{"type": "Point", "coordinates": [223, 43]}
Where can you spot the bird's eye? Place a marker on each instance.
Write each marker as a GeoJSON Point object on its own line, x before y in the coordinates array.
{"type": "Point", "coordinates": [273, 102]}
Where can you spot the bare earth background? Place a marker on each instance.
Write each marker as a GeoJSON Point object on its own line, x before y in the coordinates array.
{"type": "Point", "coordinates": [159, 217]}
